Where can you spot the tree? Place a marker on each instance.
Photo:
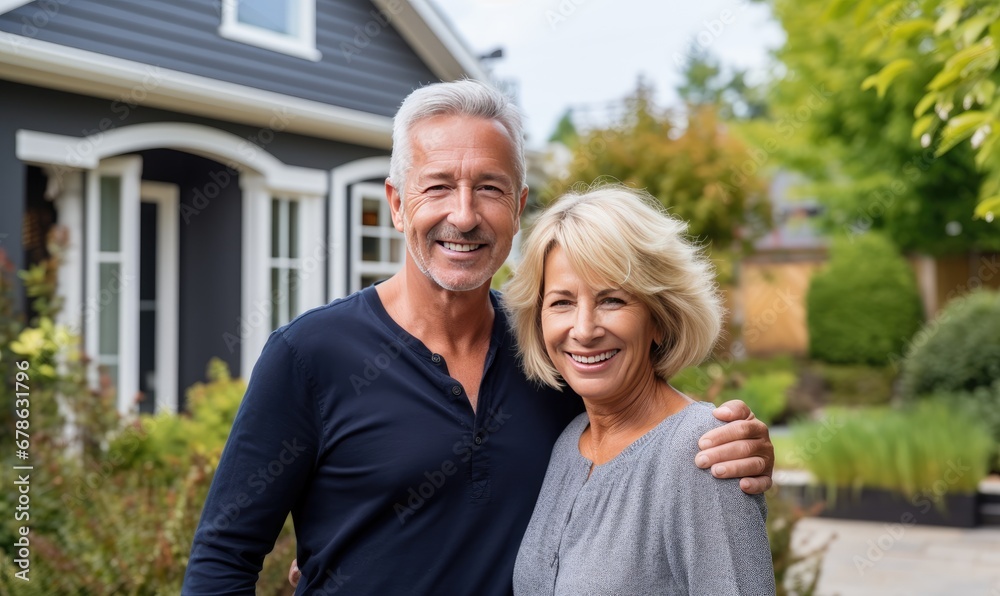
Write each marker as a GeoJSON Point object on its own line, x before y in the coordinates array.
{"type": "Point", "coordinates": [857, 148]}
{"type": "Point", "coordinates": [959, 44]}
{"type": "Point", "coordinates": [707, 82]}
{"type": "Point", "coordinates": [694, 171]}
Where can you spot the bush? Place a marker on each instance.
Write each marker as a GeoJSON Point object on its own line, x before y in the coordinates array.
{"type": "Point", "coordinates": [904, 451]}
{"type": "Point", "coordinates": [765, 394]}
{"type": "Point", "coordinates": [864, 306]}
{"type": "Point", "coordinates": [959, 351]}
{"type": "Point", "coordinates": [855, 384]}
{"type": "Point", "coordinates": [114, 504]}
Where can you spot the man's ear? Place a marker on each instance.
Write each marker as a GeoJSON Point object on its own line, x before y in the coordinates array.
{"type": "Point", "coordinates": [395, 204]}
{"type": "Point", "coordinates": [520, 209]}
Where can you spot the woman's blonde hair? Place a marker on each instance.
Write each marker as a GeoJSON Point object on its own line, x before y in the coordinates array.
{"type": "Point", "coordinates": [622, 237]}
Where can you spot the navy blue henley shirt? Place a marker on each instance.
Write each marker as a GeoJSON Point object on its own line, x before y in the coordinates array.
{"type": "Point", "coordinates": [395, 485]}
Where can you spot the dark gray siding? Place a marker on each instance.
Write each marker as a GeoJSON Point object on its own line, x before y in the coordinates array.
{"type": "Point", "coordinates": [12, 185]}
{"type": "Point", "coordinates": [183, 35]}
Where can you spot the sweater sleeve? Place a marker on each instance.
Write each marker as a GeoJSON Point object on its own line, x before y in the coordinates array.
{"type": "Point", "coordinates": [720, 543]}
{"type": "Point", "coordinates": [264, 468]}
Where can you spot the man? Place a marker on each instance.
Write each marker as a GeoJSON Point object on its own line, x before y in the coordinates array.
{"type": "Point", "coordinates": [395, 424]}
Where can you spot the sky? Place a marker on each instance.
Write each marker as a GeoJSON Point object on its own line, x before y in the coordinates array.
{"type": "Point", "coordinates": [590, 53]}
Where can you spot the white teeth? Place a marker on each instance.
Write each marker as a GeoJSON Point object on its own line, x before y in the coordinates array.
{"type": "Point", "coordinates": [594, 359]}
{"type": "Point", "coordinates": [460, 247]}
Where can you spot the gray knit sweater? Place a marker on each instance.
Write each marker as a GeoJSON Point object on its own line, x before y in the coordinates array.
{"type": "Point", "coordinates": [647, 522]}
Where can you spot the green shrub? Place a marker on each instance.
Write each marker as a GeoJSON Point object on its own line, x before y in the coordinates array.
{"type": "Point", "coordinates": [864, 306]}
{"type": "Point", "coordinates": [167, 442]}
{"type": "Point", "coordinates": [959, 351]}
{"type": "Point", "coordinates": [117, 502]}
{"type": "Point", "coordinates": [765, 394]}
{"type": "Point", "coordinates": [707, 380]}
{"type": "Point", "coordinates": [905, 451]}
{"type": "Point", "coordinates": [855, 384]}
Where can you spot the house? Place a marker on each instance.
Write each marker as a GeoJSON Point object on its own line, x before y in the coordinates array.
{"type": "Point", "coordinates": [216, 165]}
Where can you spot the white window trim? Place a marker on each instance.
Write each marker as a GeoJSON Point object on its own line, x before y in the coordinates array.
{"type": "Point", "coordinates": [302, 46]}
{"type": "Point", "coordinates": [129, 169]}
{"type": "Point", "coordinates": [360, 268]}
{"type": "Point", "coordinates": [341, 179]}
{"type": "Point", "coordinates": [261, 175]}
{"type": "Point", "coordinates": [167, 282]}
{"type": "Point", "coordinates": [256, 306]}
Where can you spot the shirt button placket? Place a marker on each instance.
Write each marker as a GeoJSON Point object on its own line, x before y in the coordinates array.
{"type": "Point", "coordinates": [456, 390]}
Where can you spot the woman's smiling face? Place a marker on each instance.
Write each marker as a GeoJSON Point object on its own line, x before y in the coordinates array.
{"type": "Point", "coordinates": [599, 339]}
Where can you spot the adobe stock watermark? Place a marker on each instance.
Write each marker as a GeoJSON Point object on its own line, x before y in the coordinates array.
{"type": "Point", "coordinates": [257, 483]}
{"type": "Point", "coordinates": [221, 179]}
{"type": "Point", "coordinates": [923, 503]}
{"type": "Point", "coordinates": [711, 30]}
{"type": "Point", "coordinates": [881, 200]}
{"type": "Point", "coordinates": [417, 496]}
{"type": "Point", "coordinates": [788, 123]}
{"type": "Point", "coordinates": [79, 152]}
{"type": "Point", "coordinates": [828, 429]}
{"type": "Point", "coordinates": [737, 351]}
{"type": "Point", "coordinates": [43, 13]}
{"type": "Point", "coordinates": [375, 365]}
{"type": "Point", "coordinates": [372, 28]}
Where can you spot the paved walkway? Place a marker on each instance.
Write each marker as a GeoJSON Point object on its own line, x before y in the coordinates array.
{"type": "Point", "coordinates": [870, 558]}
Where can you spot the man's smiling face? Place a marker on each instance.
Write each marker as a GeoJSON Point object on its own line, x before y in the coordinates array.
{"type": "Point", "coordinates": [462, 201]}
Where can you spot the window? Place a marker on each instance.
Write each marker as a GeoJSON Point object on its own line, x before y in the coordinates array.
{"type": "Point", "coordinates": [286, 26]}
{"type": "Point", "coordinates": [285, 263]}
{"type": "Point", "coordinates": [377, 246]}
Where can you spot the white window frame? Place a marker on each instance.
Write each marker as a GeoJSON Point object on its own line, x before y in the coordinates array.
{"type": "Point", "coordinates": [301, 46]}
{"type": "Point", "coordinates": [167, 198]}
{"type": "Point", "coordinates": [384, 231]}
{"type": "Point", "coordinates": [257, 262]}
{"type": "Point", "coordinates": [341, 180]}
{"type": "Point", "coordinates": [129, 169]}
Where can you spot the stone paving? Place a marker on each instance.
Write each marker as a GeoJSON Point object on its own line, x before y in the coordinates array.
{"type": "Point", "coordinates": [871, 558]}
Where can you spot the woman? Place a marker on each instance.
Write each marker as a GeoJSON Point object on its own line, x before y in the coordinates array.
{"type": "Point", "coordinates": [610, 299]}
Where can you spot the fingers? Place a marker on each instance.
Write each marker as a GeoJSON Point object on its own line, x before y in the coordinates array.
{"type": "Point", "coordinates": [294, 575]}
{"type": "Point", "coordinates": [734, 431]}
{"type": "Point", "coordinates": [733, 409]}
{"type": "Point", "coordinates": [755, 485]}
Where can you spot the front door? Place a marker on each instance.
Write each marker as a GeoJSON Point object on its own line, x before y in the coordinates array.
{"type": "Point", "coordinates": [158, 212]}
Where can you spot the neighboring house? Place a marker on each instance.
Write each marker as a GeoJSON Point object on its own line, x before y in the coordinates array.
{"type": "Point", "coordinates": [770, 305]}
{"type": "Point", "coordinates": [217, 165]}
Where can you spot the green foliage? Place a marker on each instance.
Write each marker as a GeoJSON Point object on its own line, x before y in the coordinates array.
{"type": "Point", "coordinates": [856, 149]}
{"type": "Point", "coordinates": [167, 442]}
{"type": "Point", "coordinates": [905, 451]}
{"type": "Point", "coordinates": [864, 306]}
{"type": "Point", "coordinates": [855, 384]}
{"type": "Point", "coordinates": [766, 394]}
{"type": "Point", "coordinates": [693, 171]}
{"type": "Point", "coordinates": [763, 384]}
{"type": "Point", "coordinates": [960, 52]}
{"type": "Point", "coordinates": [114, 503]}
{"type": "Point", "coordinates": [565, 132]}
{"type": "Point", "coordinates": [707, 83]}
{"type": "Point", "coordinates": [708, 380]}
{"type": "Point", "coordinates": [983, 403]}
{"type": "Point", "coordinates": [501, 276]}
{"type": "Point", "coordinates": [959, 350]}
